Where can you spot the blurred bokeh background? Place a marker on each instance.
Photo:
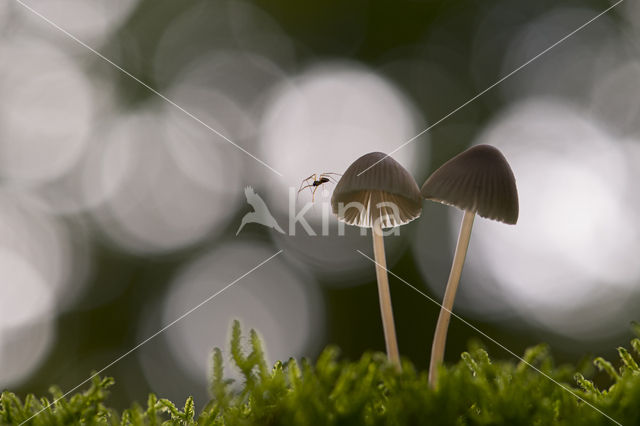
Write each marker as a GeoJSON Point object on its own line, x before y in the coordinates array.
{"type": "Point", "coordinates": [118, 211]}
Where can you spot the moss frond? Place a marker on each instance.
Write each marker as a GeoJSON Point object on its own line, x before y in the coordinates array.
{"type": "Point", "coordinates": [368, 391]}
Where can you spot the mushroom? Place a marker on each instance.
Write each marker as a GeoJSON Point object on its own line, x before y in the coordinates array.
{"type": "Point", "coordinates": [478, 180]}
{"type": "Point", "coordinates": [384, 197]}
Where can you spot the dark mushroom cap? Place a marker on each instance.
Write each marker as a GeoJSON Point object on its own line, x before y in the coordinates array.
{"type": "Point", "coordinates": [387, 182]}
{"type": "Point", "coordinates": [478, 179]}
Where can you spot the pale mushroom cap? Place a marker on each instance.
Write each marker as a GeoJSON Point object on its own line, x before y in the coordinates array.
{"type": "Point", "coordinates": [387, 182]}
{"type": "Point", "coordinates": [478, 179]}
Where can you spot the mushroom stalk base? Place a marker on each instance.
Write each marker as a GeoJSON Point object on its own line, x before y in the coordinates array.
{"type": "Point", "coordinates": [385, 296]}
{"type": "Point", "coordinates": [440, 336]}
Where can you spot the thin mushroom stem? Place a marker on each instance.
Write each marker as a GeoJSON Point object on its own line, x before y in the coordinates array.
{"type": "Point", "coordinates": [384, 295]}
{"type": "Point", "coordinates": [440, 336]}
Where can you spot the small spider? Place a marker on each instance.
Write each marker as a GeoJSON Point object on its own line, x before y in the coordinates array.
{"type": "Point", "coordinates": [317, 180]}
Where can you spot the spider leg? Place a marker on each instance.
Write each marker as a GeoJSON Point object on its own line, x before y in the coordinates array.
{"type": "Point", "coordinates": [331, 176]}
{"type": "Point", "coordinates": [313, 194]}
{"type": "Point", "coordinates": [306, 181]}
{"type": "Point", "coordinates": [312, 176]}
{"type": "Point", "coordinates": [315, 178]}
{"type": "Point", "coordinates": [305, 187]}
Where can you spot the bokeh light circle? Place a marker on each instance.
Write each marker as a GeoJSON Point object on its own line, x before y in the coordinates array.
{"type": "Point", "coordinates": [23, 348]}
{"type": "Point", "coordinates": [44, 243]}
{"type": "Point", "coordinates": [570, 261]}
{"type": "Point", "coordinates": [95, 177]}
{"type": "Point", "coordinates": [332, 114]}
{"type": "Point", "coordinates": [158, 207]}
{"type": "Point", "coordinates": [91, 22]}
{"type": "Point", "coordinates": [45, 116]}
{"type": "Point", "coordinates": [26, 294]}
{"type": "Point", "coordinates": [43, 273]}
{"type": "Point", "coordinates": [615, 99]}
{"type": "Point", "coordinates": [322, 121]}
{"type": "Point", "coordinates": [569, 69]}
{"type": "Point", "coordinates": [281, 303]}
{"type": "Point", "coordinates": [239, 37]}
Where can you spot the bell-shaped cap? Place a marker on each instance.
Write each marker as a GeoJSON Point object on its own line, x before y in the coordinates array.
{"type": "Point", "coordinates": [386, 192]}
{"type": "Point", "coordinates": [478, 179]}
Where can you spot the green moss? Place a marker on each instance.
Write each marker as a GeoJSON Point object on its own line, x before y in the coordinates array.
{"type": "Point", "coordinates": [475, 391]}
